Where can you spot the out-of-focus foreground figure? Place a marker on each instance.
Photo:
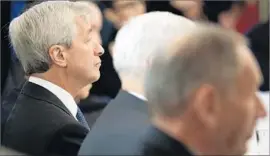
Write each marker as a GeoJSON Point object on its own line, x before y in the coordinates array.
{"type": "Point", "coordinates": [202, 95]}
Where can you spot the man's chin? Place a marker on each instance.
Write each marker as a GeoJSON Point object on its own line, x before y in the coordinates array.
{"type": "Point", "coordinates": [95, 77]}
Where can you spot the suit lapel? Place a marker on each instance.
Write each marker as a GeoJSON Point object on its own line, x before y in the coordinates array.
{"type": "Point", "coordinates": [37, 92]}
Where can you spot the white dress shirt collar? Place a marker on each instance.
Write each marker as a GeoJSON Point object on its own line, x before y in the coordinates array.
{"type": "Point", "coordinates": [59, 92]}
{"type": "Point", "coordinates": [138, 95]}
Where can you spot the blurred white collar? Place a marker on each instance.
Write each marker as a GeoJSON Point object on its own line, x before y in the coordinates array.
{"type": "Point", "coordinates": [138, 95]}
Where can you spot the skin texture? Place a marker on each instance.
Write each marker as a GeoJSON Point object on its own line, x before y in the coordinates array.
{"type": "Point", "coordinates": [83, 93]}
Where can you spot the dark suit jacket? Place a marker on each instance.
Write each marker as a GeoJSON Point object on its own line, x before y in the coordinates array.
{"type": "Point", "coordinates": [119, 128]}
{"type": "Point", "coordinates": [259, 42]}
{"type": "Point", "coordinates": [8, 102]}
{"type": "Point", "coordinates": [157, 143]}
{"type": "Point", "coordinates": [40, 124]}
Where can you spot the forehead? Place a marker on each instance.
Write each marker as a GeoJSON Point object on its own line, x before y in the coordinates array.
{"type": "Point", "coordinates": [249, 65]}
{"type": "Point", "coordinates": [96, 19]}
{"type": "Point", "coordinates": [82, 25]}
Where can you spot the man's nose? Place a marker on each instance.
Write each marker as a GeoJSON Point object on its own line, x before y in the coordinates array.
{"type": "Point", "coordinates": [97, 37]}
{"type": "Point", "coordinates": [99, 50]}
{"type": "Point", "coordinates": [261, 111]}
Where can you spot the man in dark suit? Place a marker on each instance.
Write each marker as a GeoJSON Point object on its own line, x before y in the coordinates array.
{"type": "Point", "coordinates": [120, 126]}
{"type": "Point", "coordinates": [202, 95]}
{"type": "Point", "coordinates": [59, 62]}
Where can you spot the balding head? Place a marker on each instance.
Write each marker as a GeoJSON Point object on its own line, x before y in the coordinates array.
{"type": "Point", "coordinates": [142, 38]}
{"type": "Point", "coordinates": [145, 36]}
{"type": "Point", "coordinates": [207, 80]}
{"type": "Point", "coordinates": [208, 55]}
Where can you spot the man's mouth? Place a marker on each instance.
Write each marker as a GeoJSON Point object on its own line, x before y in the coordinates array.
{"type": "Point", "coordinates": [98, 64]}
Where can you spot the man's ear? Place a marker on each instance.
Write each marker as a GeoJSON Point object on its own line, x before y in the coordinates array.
{"type": "Point", "coordinates": [58, 55]}
{"type": "Point", "coordinates": [207, 105]}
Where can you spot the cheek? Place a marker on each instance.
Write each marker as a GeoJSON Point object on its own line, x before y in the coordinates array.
{"type": "Point", "coordinates": [82, 57]}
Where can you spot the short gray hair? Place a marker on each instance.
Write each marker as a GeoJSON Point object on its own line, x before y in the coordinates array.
{"type": "Point", "coordinates": [41, 26]}
{"type": "Point", "coordinates": [144, 36]}
{"type": "Point", "coordinates": [206, 56]}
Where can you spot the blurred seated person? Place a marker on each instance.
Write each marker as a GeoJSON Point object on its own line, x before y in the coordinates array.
{"type": "Point", "coordinates": [168, 6]}
{"type": "Point", "coordinates": [191, 9]}
{"type": "Point", "coordinates": [226, 13]}
{"type": "Point", "coordinates": [60, 61]}
{"type": "Point", "coordinates": [202, 96]}
{"type": "Point", "coordinates": [118, 12]}
{"type": "Point", "coordinates": [120, 126]}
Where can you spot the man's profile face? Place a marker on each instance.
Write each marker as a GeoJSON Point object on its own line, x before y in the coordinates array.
{"type": "Point", "coordinates": [84, 55]}
{"type": "Point", "coordinates": [241, 111]}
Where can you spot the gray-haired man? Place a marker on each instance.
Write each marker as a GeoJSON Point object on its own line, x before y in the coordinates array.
{"type": "Point", "coordinates": [202, 96]}
{"type": "Point", "coordinates": [59, 51]}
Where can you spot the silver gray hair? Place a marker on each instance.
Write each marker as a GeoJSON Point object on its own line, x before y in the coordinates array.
{"type": "Point", "coordinates": [143, 37]}
{"type": "Point", "coordinates": [206, 56]}
{"type": "Point", "coordinates": [42, 26]}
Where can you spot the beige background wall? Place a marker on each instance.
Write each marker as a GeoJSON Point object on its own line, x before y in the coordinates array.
{"type": "Point", "coordinates": [264, 10]}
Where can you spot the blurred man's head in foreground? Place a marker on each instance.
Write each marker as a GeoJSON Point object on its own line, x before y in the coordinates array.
{"type": "Point", "coordinates": [202, 91]}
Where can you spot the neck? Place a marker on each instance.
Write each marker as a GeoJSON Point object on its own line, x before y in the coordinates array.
{"type": "Point", "coordinates": [191, 135]}
{"type": "Point", "coordinates": [132, 85]}
{"type": "Point", "coordinates": [60, 79]}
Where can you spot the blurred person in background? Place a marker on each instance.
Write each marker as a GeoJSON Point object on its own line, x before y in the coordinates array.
{"type": "Point", "coordinates": [224, 13]}
{"type": "Point", "coordinates": [59, 61]}
{"type": "Point", "coordinates": [201, 95]}
{"type": "Point", "coordinates": [120, 126]}
{"type": "Point", "coordinates": [191, 9]}
{"type": "Point", "coordinates": [118, 12]}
